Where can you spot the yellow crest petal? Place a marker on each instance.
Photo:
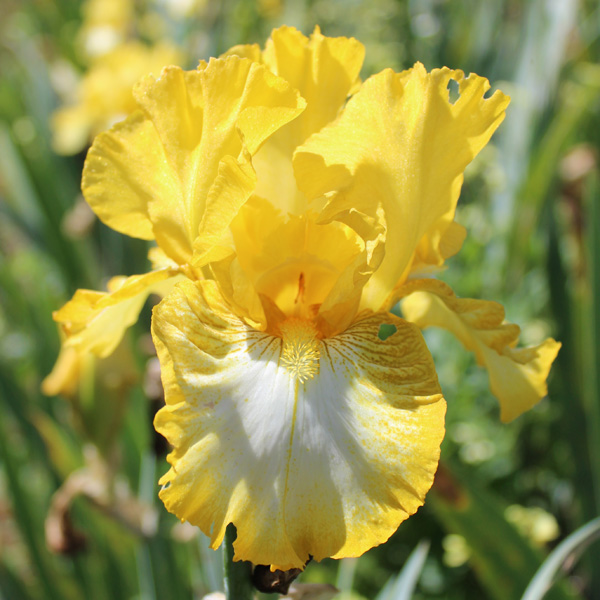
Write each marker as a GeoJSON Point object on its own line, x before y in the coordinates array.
{"type": "Point", "coordinates": [154, 175]}
{"type": "Point", "coordinates": [402, 144]}
{"type": "Point", "coordinates": [295, 266]}
{"type": "Point", "coordinates": [321, 448]}
{"type": "Point", "coordinates": [517, 376]}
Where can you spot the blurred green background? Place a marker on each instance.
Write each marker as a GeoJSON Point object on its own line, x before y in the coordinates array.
{"type": "Point", "coordinates": [79, 512]}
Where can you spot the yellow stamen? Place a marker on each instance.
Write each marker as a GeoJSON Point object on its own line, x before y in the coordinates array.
{"type": "Point", "coordinates": [300, 295]}
{"type": "Point", "coordinates": [300, 348]}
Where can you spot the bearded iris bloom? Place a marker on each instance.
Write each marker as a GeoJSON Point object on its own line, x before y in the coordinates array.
{"type": "Point", "coordinates": [292, 207]}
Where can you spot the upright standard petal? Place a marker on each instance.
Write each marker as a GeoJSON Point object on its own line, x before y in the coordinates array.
{"type": "Point", "coordinates": [400, 143]}
{"type": "Point", "coordinates": [158, 173]}
{"type": "Point", "coordinates": [325, 71]}
{"type": "Point", "coordinates": [311, 447]}
{"type": "Point", "coordinates": [517, 375]}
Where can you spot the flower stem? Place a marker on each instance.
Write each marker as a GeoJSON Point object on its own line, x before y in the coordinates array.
{"type": "Point", "coordinates": [238, 583]}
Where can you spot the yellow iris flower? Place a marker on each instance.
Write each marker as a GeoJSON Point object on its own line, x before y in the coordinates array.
{"type": "Point", "coordinates": [293, 206]}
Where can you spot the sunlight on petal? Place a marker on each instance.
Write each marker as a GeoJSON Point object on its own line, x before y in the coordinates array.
{"type": "Point", "coordinates": [156, 174]}
{"type": "Point", "coordinates": [400, 143]}
{"type": "Point", "coordinates": [96, 321]}
{"type": "Point", "coordinates": [325, 71]}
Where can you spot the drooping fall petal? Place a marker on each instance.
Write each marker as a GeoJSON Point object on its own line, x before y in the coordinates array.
{"type": "Point", "coordinates": [96, 321]}
{"type": "Point", "coordinates": [65, 375]}
{"type": "Point", "coordinates": [309, 446]}
{"type": "Point", "coordinates": [157, 174]}
{"type": "Point", "coordinates": [400, 143]}
{"type": "Point", "coordinates": [517, 375]}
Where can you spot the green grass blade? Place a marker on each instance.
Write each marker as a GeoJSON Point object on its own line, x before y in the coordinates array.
{"type": "Point", "coordinates": [573, 545]}
{"type": "Point", "coordinates": [403, 585]}
{"type": "Point", "coordinates": [570, 117]}
{"type": "Point", "coordinates": [591, 334]}
{"type": "Point", "coordinates": [30, 527]}
{"type": "Point", "coordinates": [502, 559]}
{"type": "Point", "coordinates": [11, 586]}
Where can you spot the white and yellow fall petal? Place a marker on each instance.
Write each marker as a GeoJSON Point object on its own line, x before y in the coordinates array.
{"type": "Point", "coordinates": [517, 375]}
{"type": "Point", "coordinates": [309, 446]}
{"type": "Point", "coordinates": [402, 144]}
{"type": "Point", "coordinates": [156, 174]}
{"type": "Point", "coordinates": [95, 322]}
{"type": "Point", "coordinates": [324, 70]}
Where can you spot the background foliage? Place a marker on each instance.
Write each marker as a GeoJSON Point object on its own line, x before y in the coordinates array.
{"type": "Point", "coordinates": [79, 513]}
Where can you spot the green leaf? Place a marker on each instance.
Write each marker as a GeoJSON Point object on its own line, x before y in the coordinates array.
{"type": "Point", "coordinates": [565, 552]}
{"type": "Point", "coordinates": [238, 584]}
{"type": "Point", "coordinates": [403, 585]}
{"type": "Point", "coordinates": [502, 559]}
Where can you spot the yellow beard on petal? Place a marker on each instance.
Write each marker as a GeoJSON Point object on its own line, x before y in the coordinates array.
{"type": "Point", "coordinates": [301, 348]}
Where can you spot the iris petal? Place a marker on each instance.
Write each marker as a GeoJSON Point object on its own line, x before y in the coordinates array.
{"type": "Point", "coordinates": [400, 144]}
{"type": "Point", "coordinates": [96, 321]}
{"type": "Point", "coordinates": [325, 71]}
{"type": "Point", "coordinates": [156, 174]}
{"type": "Point", "coordinates": [517, 375]}
{"type": "Point", "coordinates": [323, 465]}
{"type": "Point", "coordinates": [104, 94]}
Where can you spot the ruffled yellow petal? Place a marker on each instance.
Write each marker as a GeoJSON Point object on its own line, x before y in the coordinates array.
{"type": "Point", "coordinates": [232, 187]}
{"type": "Point", "coordinates": [402, 144]}
{"type": "Point", "coordinates": [96, 321]}
{"type": "Point", "coordinates": [104, 93]}
{"type": "Point", "coordinates": [324, 70]}
{"type": "Point", "coordinates": [309, 446]}
{"type": "Point", "coordinates": [168, 171]}
{"type": "Point", "coordinates": [517, 375]}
